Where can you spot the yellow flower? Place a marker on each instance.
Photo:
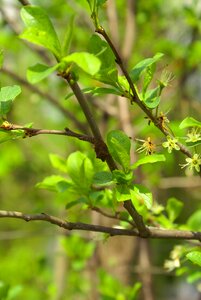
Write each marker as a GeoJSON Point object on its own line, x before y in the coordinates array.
{"type": "Point", "coordinates": [194, 135]}
{"type": "Point", "coordinates": [148, 146]}
{"type": "Point", "coordinates": [193, 162]}
{"type": "Point", "coordinates": [171, 144]}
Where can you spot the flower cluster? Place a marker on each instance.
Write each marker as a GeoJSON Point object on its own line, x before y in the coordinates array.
{"type": "Point", "coordinates": [148, 146]}
{"type": "Point", "coordinates": [171, 144]}
{"type": "Point", "coordinates": [193, 162]}
{"type": "Point", "coordinates": [174, 261]}
{"type": "Point", "coordinates": [194, 135]}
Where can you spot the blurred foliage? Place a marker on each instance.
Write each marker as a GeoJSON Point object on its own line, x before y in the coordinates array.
{"type": "Point", "coordinates": [30, 252]}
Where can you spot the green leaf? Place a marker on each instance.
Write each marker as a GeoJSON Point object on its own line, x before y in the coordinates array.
{"type": "Point", "coordinates": [141, 194]}
{"type": "Point", "coordinates": [148, 78]}
{"type": "Point", "coordinates": [38, 72]}
{"type": "Point", "coordinates": [194, 221]}
{"type": "Point", "coordinates": [195, 276]}
{"type": "Point", "coordinates": [103, 91]}
{"type": "Point", "coordinates": [193, 144]}
{"type": "Point", "coordinates": [164, 221]}
{"type": "Point", "coordinates": [7, 135]}
{"type": "Point", "coordinates": [108, 70]}
{"type": "Point", "coordinates": [189, 122]}
{"type": "Point", "coordinates": [152, 97]}
{"type": "Point", "coordinates": [80, 169]}
{"type": "Point", "coordinates": [68, 36]}
{"type": "Point", "coordinates": [103, 178]}
{"type": "Point", "coordinates": [119, 147]}
{"type": "Point", "coordinates": [142, 65]}
{"type": "Point", "coordinates": [58, 162]}
{"type": "Point", "coordinates": [154, 158]}
{"type": "Point", "coordinates": [123, 83]}
{"type": "Point", "coordinates": [173, 208]}
{"type": "Point", "coordinates": [81, 200]}
{"type": "Point", "coordinates": [4, 289]}
{"type": "Point", "coordinates": [9, 92]}
{"type": "Point", "coordinates": [195, 257]}
{"type": "Point", "coordinates": [122, 177]}
{"type": "Point", "coordinates": [122, 192]}
{"type": "Point", "coordinates": [39, 29]}
{"type": "Point", "coordinates": [99, 3]}
{"type": "Point", "coordinates": [7, 95]}
{"type": "Point", "coordinates": [86, 61]}
{"type": "Point", "coordinates": [14, 292]}
{"type": "Point", "coordinates": [1, 58]}
{"type": "Point", "coordinates": [51, 183]}
{"type": "Point", "coordinates": [134, 290]}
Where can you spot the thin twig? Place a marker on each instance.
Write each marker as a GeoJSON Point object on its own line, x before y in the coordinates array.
{"type": "Point", "coordinates": [135, 98]}
{"type": "Point", "coordinates": [154, 233]}
{"type": "Point", "coordinates": [30, 132]}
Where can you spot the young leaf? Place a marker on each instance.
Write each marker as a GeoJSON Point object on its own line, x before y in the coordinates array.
{"type": "Point", "coordinates": [6, 135]}
{"type": "Point", "coordinates": [194, 221]}
{"type": "Point", "coordinates": [152, 97]}
{"type": "Point", "coordinates": [100, 3]}
{"type": "Point", "coordinates": [142, 65]}
{"type": "Point", "coordinates": [122, 192]}
{"type": "Point", "coordinates": [148, 78]}
{"type": "Point", "coordinates": [7, 95]}
{"type": "Point", "coordinates": [80, 169]}
{"type": "Point", "coordinates": [81, 200]}
{"type": "Point", "coordinates": [38, 72]}
{"type": "Point", "coordinates": [148, 160]}
{"type": "Point", "coordinates": [141, 194]}
{"type": "Point", "coordinates": [195, 257]}
{"type": "Point", "coordinates": [189, 122]}
{"type": "Point", "coordinates": [121, 177]}
{"type": "Point", "coordinates": [119, 147]}
{"type": "Point", "coordinates": [1, 58]}
{"type": "Point", "coordinates": [58, 162]}
{"type": "Point", "coordinates": [103, 91]}
{"type": "Point", "coordinates": [108, 71]}
{"type": "Point", "coordinates": [39, 29]}
{"type": "Point", "coordinates": [68, 36]}
{"type": "Point", "coordinates": [173, 208]}
{"type": "Point", "coordinates": [86, 61]}
{"type": "Point", "coordinates": [103, 178]}
{"type": "Point", "coordinates": [51, 183]}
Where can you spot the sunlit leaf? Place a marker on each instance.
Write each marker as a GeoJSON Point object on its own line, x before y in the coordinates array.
{"type": "Point", "coordinates": [119, 147]}
{"type": "Point", "coordinates": [150, 159]}
{"type": "Point", "coordinates": [189, 122]}
{"type": "Point", "coordinates": [195, 257]}
{"type": "Point", "coordinates": [142, 65]}
{"type": "Point", "coordinates": [39, 29]}
{"type": "Point", "coordinates": [38, 72]}
{"type": "Point", "coordinates": [86, 61]}
{"type": "Point", "coordinates": [173, 208]}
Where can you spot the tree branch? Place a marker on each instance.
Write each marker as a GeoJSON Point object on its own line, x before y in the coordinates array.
{"type": "Point", "coordinates": [101, 149]}
{"type": "Point", "coordinates": [30, 132]}
{"type": "Point", "coordinates": [154, 233]}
